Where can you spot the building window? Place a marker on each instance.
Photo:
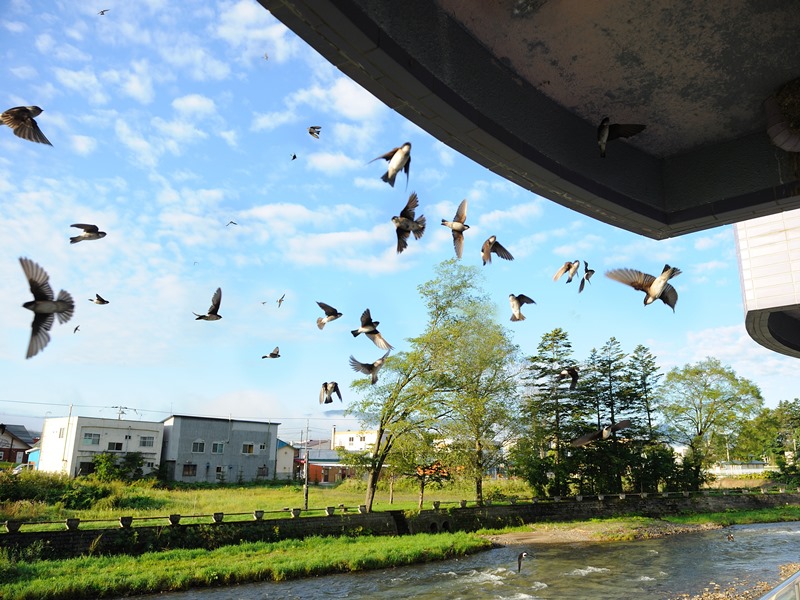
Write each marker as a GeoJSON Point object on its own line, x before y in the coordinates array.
{"type": "Point", "coordinates": [61, 433]}
{"type": "Point", "coordinates": [149, 465]}
{"type": "Point", "coordinates": [217, 447]}
{"type": "Point", "coordinates": [198, 446]}
{"type": "Point", "coordinates": [247, 449]}
{"type": "Point", "coordinates": [115, 445]}
{"type": "Point", "coordinates": [350, 440]}
{"type": "Point", "coordinates": [91, 439]}
{"type": "Point", "coordinates": [147, 441]}
{"type": "Point", "coordinates": [189, 470]}
{"type": "Point", "coordinates": [127, 437]}
{"type": "Point", "coordinates": [220, 474]}
{"type": "Point", "coordinates": [362, 438]}
{"type": "Point", "coordinates": [262, 446]}
{"type": "Point", "coordinates": [262, 471]}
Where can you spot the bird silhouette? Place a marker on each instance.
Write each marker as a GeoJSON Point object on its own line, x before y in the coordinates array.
{"type": "Point", "coordinates": [572, 373]}
{"type": "Point", "coordinates": [608, 131]}
{"type": "Point", "coordinates": [90, 232]}
{"type": "Point", "coordinates": [587, 275]}
{"type": "Point", "coordinates": [406, 225]}
{"type": "Point", "coordinates": [329, 388]}
{"type": "Point", "coordinates": [331, 314]}
{"type": "Point", "coordinates": [399, 159]}
{"type": "Point", "coordinates": [600, 434]}
{"type": "Point", "coordinates": [516, 303]}
{"type": "Point", "coordinates": [654, 288]}
{"type": "Point", "coordinates": [314, 130]}
{"type": "Point", "coordinates": [44, 306]}
{"type": "Point", "coordinates": [21, 121]}
{"type": "Point", "coordinates": [98, 299]}
{"type": "Point", "coordinates": [492, 245]}
{"type": "Point", "coordinates": [370, 369]}
{"type": "Point", "coordinates": [213, 311]}
{"type": "Point", "coordinates": [458, 226]}
{"type": "Point", "coordinates": [370, 329]}
{"type": "Point", "coordinates": [280, 300]}
{"type": "Point", "coordinates": [274, 354]}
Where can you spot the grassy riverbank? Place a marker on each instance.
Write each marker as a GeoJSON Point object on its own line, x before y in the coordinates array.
{"type": "Point", "coordinates": [104, 577]}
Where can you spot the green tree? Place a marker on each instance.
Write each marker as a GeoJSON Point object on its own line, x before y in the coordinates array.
{"type": "Point", "coordinates": [643, 376]}
{"type": "Point", "coordinates": [703, 399]}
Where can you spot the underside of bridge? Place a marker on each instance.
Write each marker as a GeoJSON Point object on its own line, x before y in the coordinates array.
{"type": "Point", "coordinates": [520, 86]}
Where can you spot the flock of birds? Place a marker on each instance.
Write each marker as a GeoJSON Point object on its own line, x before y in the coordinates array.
{"type": "Point", "coordinates": [46, 306]}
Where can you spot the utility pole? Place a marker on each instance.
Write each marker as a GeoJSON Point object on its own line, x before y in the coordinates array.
{"type": "Point", "coordinates": [305, 465]}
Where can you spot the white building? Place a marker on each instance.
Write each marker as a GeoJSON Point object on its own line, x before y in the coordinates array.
{"type": "Point", "coordinates": [769, 268]}
{"type": "Point", "coordinates": [354, 441]}
{"type": "Point", "coordinates": [217, 449]}
{"type": "Point", "coordinates": [69, 444]}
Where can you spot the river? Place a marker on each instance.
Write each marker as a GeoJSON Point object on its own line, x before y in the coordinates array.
{"type": "Point", "coordinates": [652, 569]}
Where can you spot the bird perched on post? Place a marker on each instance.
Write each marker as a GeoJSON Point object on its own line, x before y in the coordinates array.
{"type": "Point", "coordinates": [90, 232]}
{"type": "Point", "coordinates": [516, 303]}
{"type": "Point", "coordinates": [458, 226]}
{"type": "Point", "coordinates": [370, 369]}
{"type": "Point", "coordinates": [399, 160]}
{"type": "Point", "coordinates": [370, 329]}
{"type": "Point", "coordinates": [568, 267]}
{"type": "Point", "coordinates": [654, 288]}
{"type": "Point", "coordinates": [572, 373]}
{"type": "Point", "coordinates": [492, 245]}
{"type": "Point", "coordinates": [329, 388]}
{"type": "Point", "coordinates": [331, 314]}
{"type": "Point", "coordinates": [44, 306]}
{"type": "Point", "coordinates": [600, 434]}
{"type": "Point", "coordinates": [608, 131]}
{"type": "Point", "coordinates": [98, 299]}
{"type": "Point", "coordinates": [405, 223]}
{"type": "Point", "coordinates": [587, 275]}
{"type": "Point", "coordinates": [213, 310]}
{"type": "Point", "coordinates": [22, 123]}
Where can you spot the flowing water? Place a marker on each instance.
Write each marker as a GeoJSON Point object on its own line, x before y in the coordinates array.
{"type": "Point", "coordinates": [652, 569]}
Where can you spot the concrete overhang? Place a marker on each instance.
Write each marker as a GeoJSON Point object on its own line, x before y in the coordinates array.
{"type": "Point", "coordinates": [520, 87]}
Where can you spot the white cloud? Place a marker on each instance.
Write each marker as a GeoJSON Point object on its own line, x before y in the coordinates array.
{"type": "Point", "coordinates": [194, 105]}
{"type": "Point", "coordinates": [83, 82]}
{"type": "Point", "coordinates": [47, 45]}
{"type": "Point", "coordinates": [515, 214]}
{"type": "Point", "coordinates": [249, 27]}
{"type": "Point", "coordinates": [23, 72]}
{"type": "Point", "coordinates": [146, 154]}
{"type": "Point", "coordinates": [186, 53]}
{"type": "Point", "coordinates": [83, 145]}
{"type": "Point", "coordinates": [272, 120]}
{"type": "Point", "coordinates": [15, 26]}
{"type": "Point", "coordinates": [230, 137]}
{"type": "Point", "coordinates": [446, 154]}
{"type": "Point", "coordinates": [369, 183]}
{"type": "Point", "coordinates": [137, 83]}
{"type": "Point", "coordinates": [706, 242]}
{"type": "Point", "coordinates": [332, 163]}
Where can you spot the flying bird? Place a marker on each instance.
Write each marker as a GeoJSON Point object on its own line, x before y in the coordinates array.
{"type": "Point", "coordinates": [98, 299]}
{"type": "Point", "coordinates": [314, 131]}
{"type": "Point", "coordinates": [231, 223]}
{"type": "Point", "coordinates": [492, 245]}
{"type": "Point", "coordinates": [519, 560]}
{"type": "Point", "coordinates": [44, 306]}
{"type": "Point", "coordinates": [458, 227]}
{"type": "Point", "coordinates": [266, 56]}
{"type": "Point", "coordinates": [370, 369]}
{"type": "Point", "coordinates": [399, 160]}
{"type": "Point", "coordinates": [280, 300]}
{"type": "Point", "coordinates": [329, 388]}
{"type": "Point", "coordinates": [294, 156]}
{"type": "Point", "coordinates": [331, 314]}
{"type": "Point", "coordinates": [104, 11]}
{"type": "Point", "coordinates": [568, 267]}
{"type": "Point", "coordinates": [274, 354]}
{"type": "Point", "coordinates": [587, 275]}
{"type": "Point", "coordinates": [77, 327]}
{"type": "Point", "coordinates": [22, 123]}
{"type": "Point", "coordinates": [90, 232]}
{"type": "Point", "coordinates": [213, 309]}
{"type": "Point", "coordinates": [516, 305]}
{"type": "Point", "coordinates": [572, 373]}
{"type": "Point", "coordinates": [405, 223]}
{"type": "Point", "coordinates": [654, 288]}
{"type": "Point", "coordinates": [600, 434]}
{"type": "Point", "coordinates": [608, 131]}
{"type": "Point", "coordinates": [370, 329]}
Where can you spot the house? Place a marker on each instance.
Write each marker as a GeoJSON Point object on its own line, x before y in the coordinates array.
{"type": "Point", "coordinates": [69, 444]}
{"type": "Point", "coordinates": [209, 449]}
{"type": "Point", "coordinates": [324, 466]}
{"type": "Point", "coordinates": [284, 461]}
{"type": "Point", "coordinates": [354, 441]}
{"type": "Point", "coordinates": [15, 440]}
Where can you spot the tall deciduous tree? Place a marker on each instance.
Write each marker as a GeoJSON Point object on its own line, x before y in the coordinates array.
{"type": "Point", "coordinates": [703, 399]}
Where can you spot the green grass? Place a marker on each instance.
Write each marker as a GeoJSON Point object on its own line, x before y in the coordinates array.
{"type": "Point", "coordinates": [103, 577]}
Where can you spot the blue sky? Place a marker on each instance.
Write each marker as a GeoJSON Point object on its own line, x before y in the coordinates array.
{"type": "Point", "coordinates": [167, 123]}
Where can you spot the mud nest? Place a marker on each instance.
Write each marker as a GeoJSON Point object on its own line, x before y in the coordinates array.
{"type": "Point", "coordinates": [788, 99]}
